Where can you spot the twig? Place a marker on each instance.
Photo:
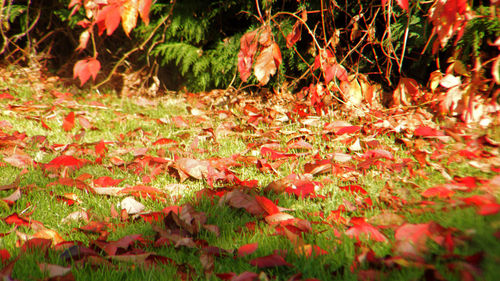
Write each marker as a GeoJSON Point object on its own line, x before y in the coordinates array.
{"type": "Point", "coordinates": [261, 19]}
{"type": "Point", "coordinates": [405, 41]}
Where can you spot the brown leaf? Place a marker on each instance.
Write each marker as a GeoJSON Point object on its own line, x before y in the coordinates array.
{"type": "Point", "coordinates": [192, 167]}
{"type": "Point", "coordinates": [239, 199]}
{"type": "Point", "coordinates": [55, 270]}
{"type": "Point", "coordinates": [19, 160]}
{"type": "Point", "coordinates": [267, 63]}
{"type": "Point", "coordinates": [207, 263]}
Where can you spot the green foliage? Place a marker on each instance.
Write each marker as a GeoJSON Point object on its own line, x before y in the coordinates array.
{"type": "Point", "coordinates": [481, 30]}
{"type": "Point", "coordinates": [201, 40]}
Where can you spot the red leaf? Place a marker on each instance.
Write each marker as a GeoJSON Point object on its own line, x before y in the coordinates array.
{"type": "Point", "coordinates": [411, 238]}
{"type": "Point", "coordinates": [478, 200]}
{"type": "Point", "coordinates": [107, 181]}
{"type": "Point", "coordinates": [247, 249]}
{"type": "Point", "coordinates": [438, 191]}
{"type": "Point", "coordinates": [403, 4]}
{"type": "Point", "coordinates": [38, 244]}
{"type": "Point", "coordinates": [45, 125]}
{"type": "Point", "coordinates": [6, 95]}
{"type": "Point", "coordinates": [335, 70]}
{"type": "Point", "coordinates": [20, 221]}
{"type": "Point", "coordinates": [273, 154]}
{"type": "Point", "coordinates": [66, 161]}
{"type": "Point", "coordinates": [294, 36]}
{"type": "Point", "coordinates": [354, 189]}
{"type": "Point", "coordinates": [4, 255]}
{"type": "Point", "coordinates": [362, 228]}
{"type": "Point", "coordinates": [85, 68]}
{"type": "Point", "coordinates": [303, 188]}
{"type": "Point", "coordinates": [248, 48]}
{"type": "Point", "coordinates": [100, 148]}
{"type": "Point", "coordinates": [69, 122]}
{"type": "Point", "coordinates": [267, 205]}
{"type": "Point", "coordinates": [124, 243]}
{"type": "Point", "coordinates": [164, 141]}
{"type": "Point", "coordinates": [379, 153]}
{"type": "Point", "coordinates": [109, 18]}
{"type": "Point", "coordinates": [269, 261]}
{"type": "Point", "coordinates": [424, 131]}
{"type": "Point", "coordinates": [347, 130]}
{"type": "Point", "coordinates": [488, 209]}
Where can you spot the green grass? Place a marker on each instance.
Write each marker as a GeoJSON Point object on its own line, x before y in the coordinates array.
{"type": "Point", "coordinates": [131, 126]}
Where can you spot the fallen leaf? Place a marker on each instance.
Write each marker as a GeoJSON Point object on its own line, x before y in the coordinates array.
{"type": "Point", "coordinates": [131, 205]}
{"type": "Point", "coordinates": [55, 270]}
{"type": "Point", "coordinates": [362, 228]}
{"type": "Point", "coordinates": [247, 249]}
{"type": "Point", "coordinates": [107, 181]}
{"type": "Point", "coordinates": [273, 260]}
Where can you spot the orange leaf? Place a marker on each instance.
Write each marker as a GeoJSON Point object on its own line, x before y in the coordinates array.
{"type": "Point", "coordinates": [144, 7]}
{"type": "Point", "coordinates": [267, 63]}
{"type": "Point", "coordinates": [85, 68]}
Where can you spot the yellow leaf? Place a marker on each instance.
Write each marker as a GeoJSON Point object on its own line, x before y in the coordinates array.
{"type": "Point", "coordinates": [129, 12]}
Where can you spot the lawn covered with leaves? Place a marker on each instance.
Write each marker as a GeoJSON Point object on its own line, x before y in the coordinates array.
{"type": "Point", "coordinates": [216, 186]}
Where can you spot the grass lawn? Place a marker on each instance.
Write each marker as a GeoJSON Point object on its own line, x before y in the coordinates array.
{"type": "Point", "coordinates": [97, 187]}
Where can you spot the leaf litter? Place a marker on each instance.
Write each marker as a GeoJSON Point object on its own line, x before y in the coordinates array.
{"type": "Point", "coordinates": [323, 161]}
